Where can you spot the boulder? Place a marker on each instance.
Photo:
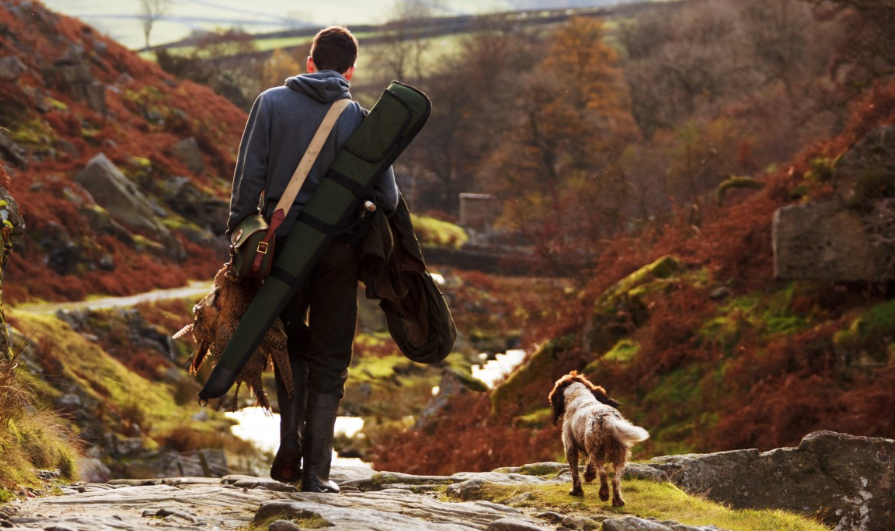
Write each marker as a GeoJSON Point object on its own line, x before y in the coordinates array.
{"type": "Point", "coordinates": [623, 306]}
{"type": "Point", "coordinates": [201, 208]}
{"type": "Point", "coordinates": [72, 75]}
{"type": "Point", "coordinates": [187, 151]}
{"type": "Point", "coordinates": [12, 152]}
{"type": "Point", "coordinates": [844, 480]}
{"type": "Point", "coordinates": [831, 240]}
{"type": "Point", "coordinates": [11, 67]}
{"type": "Point", "coordinates": [859, 174]}
{"type": "Point", "coordinates": [633, 523]}
{"type": "Point", "coordinates": [824, 241]}
{"type": "Point", "coordinates": [513, 524]}
{"type": "Point", "coordinates": [116, 193]}
{"type": "Point", "coordinates": [124, 201]}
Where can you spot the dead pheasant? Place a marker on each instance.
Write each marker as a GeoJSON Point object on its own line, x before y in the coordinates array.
{"type": "Point", "coordinates": [216, 318]}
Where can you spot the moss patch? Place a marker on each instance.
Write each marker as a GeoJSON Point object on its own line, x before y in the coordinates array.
{"type": "Point", "coordinates": [540, 363]}
{"type": "Point", "coordinates": [871, 333]}
{"type": "Point", "coordinates": [433, 231]}
{"type": "Point", "coordinates": [647, 499]}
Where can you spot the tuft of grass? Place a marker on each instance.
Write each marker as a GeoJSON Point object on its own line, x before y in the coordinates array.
{"type": "Point", "coordinates": [648, 499]}
{"type": "Point", "coordinates": [440, 233]}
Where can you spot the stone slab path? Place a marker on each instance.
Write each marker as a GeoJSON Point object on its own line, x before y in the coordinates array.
{"type": "Point", "coordinates": [369, 501]}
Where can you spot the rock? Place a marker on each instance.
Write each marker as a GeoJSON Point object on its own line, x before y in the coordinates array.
{"type": "Point", "coordinates": [70, 74]}
{"type": "Point", "coordinates": [845, 480]}
{"type": "Point", "coordinates": [11, 67]}
{"type": "Point", "coordinates": [392, 509]}
{"type": "Point", "coordinates": [466, 490]}
{"type": "Point", "coordinates": [535, 469]}
{"type": "Point", "coordinates": [632, 523]}
{"type": "Point", "coordinates": [513, 524]}
{"type": "Point", "coordinates": [187, 151]}
{"type": "Point", "coordinates": [95, 94]}
{"type": "Point", "coordinates": [720, 293]}
{"type": "Point", "coordinates": [858, 173]}
{"type": "Point", "coordinates": [116, 193]}
{"type": "Point", "coordinates": [124, 201]}
{"type": "Point", "coordinates": [283, 525]}
{"type": "Point", "coordinates": [213, 462]}
{"type": "Point", "coordinates": [823, 241]}
{"type": "Point", "coordinates": [621, 308]}
{"type": "Point", "coordinates": [100, 221]}
{"type": "Point", "coordinates": [9, 212]}
{"type": "Point", "coordinates": [645, 472]}
{"type": "Point", "coordinates": [92, 470]}
{"type": "Point", "coordinates": [12, 152]}
{"type": "Point", "coordinates": [68, 403]}
{"type": "Point", "coordinates": [579, 522]}
{"type": "Point", "coordinates": [181, 195]}
{"type": "Point", "coordinates": [552, 517]}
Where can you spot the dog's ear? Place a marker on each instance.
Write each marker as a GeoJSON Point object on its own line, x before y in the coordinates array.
{"type": "Point", "coordinates": [601, 396]}
{"type": "Point", "coordinates": [558, 400]}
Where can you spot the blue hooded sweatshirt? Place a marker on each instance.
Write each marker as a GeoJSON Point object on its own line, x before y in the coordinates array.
{"type": "Point", "coordinates": [280, 127]}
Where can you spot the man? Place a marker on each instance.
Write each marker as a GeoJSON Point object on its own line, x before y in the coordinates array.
{"type": "Point", "coordinates": [320, 320]}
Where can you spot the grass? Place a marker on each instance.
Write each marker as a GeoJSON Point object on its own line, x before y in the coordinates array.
{"type": "Point", "coordinates": [85, 365]}
{"type": "Point", "coordinates": [647, 499]}
{"type": "Point", "coordinates": [29, 441]}
{"type": "Point", "coordinates": [433, 231]}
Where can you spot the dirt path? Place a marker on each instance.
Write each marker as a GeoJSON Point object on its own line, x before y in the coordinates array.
{"type": "Point", "coordinates": [195, 289]}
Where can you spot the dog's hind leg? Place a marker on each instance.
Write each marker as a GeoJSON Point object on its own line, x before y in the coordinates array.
{"type": "Point", "coordinates": [619, 457]}
{"type": "Point", "coordinates": [604, 483]}
{"type": "Point", "coordinates": [572, 458]}
{"type": "Point", "coordinates": [590, 473]}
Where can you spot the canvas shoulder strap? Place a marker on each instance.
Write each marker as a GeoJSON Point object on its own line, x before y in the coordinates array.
{"type": "Point", "coordinates": [307, 162]}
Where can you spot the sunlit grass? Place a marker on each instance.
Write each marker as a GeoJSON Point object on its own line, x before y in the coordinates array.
{"type": "Point", "coordinates": [647, 499]}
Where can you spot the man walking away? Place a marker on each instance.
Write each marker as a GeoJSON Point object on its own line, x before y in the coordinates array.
{"type": "Point", "coordinates": [321, 319]}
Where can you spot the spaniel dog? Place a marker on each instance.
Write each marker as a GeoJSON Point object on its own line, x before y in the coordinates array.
{"type": "Point", "coordinates": [592, 426]}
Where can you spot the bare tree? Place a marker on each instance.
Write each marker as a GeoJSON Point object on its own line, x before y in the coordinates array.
{"type": "Point", "coordinates": [404, 42]}
{"type": "Point", "coordinates": [151, 11]}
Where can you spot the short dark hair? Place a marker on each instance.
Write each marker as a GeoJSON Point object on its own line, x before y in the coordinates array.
{"type": "Point", "coordinates": [334, 48]}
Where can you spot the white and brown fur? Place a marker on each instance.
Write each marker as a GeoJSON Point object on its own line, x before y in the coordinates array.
{"type": "Point", "coordinates": [592, 426]}
{"type": "Point", "coordinates": [216, 318]}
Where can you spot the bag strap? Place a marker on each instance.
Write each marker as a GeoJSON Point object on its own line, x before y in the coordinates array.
{"type": "Point", "coordinates": [299, 176]}
{"type": "Point", "coordinates": [307, 162]}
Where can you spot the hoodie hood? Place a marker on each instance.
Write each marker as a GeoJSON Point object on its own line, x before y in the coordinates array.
{"type": "Point", "coordinates": [326, 86]}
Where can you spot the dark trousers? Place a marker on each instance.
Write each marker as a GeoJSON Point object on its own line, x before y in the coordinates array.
{"type": "Point", "coordinates": [321, 319]}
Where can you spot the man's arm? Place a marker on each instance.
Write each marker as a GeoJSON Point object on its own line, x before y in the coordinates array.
{"type": "Point", "coordinates": [386, 191]}
{"type": "Point", "coordinates": [251, 165]}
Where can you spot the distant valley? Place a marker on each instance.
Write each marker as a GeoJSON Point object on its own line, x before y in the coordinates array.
{"type": "Point", "coordinates": [121, 20]}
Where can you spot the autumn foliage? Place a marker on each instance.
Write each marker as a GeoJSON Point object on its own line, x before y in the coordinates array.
{"type": "Point", "coordinates": [146, 113]}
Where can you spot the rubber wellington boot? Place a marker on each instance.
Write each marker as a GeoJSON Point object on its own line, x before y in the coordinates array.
{"type": "Point", "coordinates": [318, 448]}
{"type": "Point", "coordinates": [286, 465]}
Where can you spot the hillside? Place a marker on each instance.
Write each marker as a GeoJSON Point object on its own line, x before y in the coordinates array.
{"type": "Point", "coordinates": [688, 328]}
{"type": "Point", "coordinates": [69, 95]}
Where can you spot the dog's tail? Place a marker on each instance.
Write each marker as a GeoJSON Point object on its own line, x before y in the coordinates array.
{"type": "Point", "coordinates": [625, 431]}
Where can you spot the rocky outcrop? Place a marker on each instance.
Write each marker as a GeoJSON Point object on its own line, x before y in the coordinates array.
{"type": "Point", "coordinates": [187, 151]}
{"type": "Point", "coordinates": [837, 240]}
{"type": "Point", "coordinates": [11, 67]}
{"type": "Point", "coordinates": [846, 481]}
{"type": "Point", "coordinates": [369, 501]}
{"type": "Point", "coordinates": [112, 190]}
{"type": "Point", "coordinates": [11, 227]}
{"type": "Point", "coordinates": [72, 74]}
{"type": "Point", "coordinates": [823, 241]}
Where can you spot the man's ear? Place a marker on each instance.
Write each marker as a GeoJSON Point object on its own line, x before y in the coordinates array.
{"type": "Point", "coordinates": [348, 73]}
{"type": "Point", "coordinates": [312, 68]}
